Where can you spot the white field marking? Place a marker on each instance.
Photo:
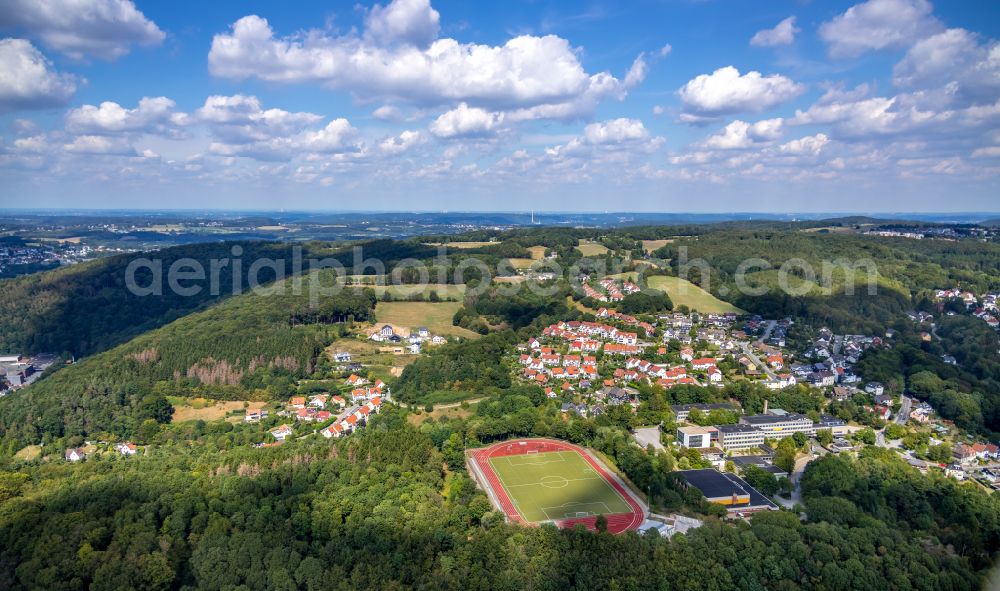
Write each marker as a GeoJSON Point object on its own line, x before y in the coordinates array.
{"type": "Point", "coordinates": [566, 514]}
{"type": "Point", "coordinates": [566, 480]}
{"type": "Point", "coordinates": [535, 462]}
{"type": "Point", "coordinates": [554, 482]}
{"type": "Point", "coordinates": [608, 482]}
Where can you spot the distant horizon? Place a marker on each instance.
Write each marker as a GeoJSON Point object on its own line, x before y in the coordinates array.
{"type": "Point", "coordinates": [811, 214]}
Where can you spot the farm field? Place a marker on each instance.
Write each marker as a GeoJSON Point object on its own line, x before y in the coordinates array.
{"type": "Point", "coordinates": [445, 291]}
{"type": "Point", "coordinates": [537, 252]}
{"type": "Point", "coordinates": [469, 244]}
{"type": "Point", "coordinates": [194, 409]}
{"type": "Point", "coordinates": [685, 293]}
{"type": "Point", "coordinates": [520, 263]}
{"type": "Point", "coordinates": [436, 316]}
{"type": "Point", "coordinates": [651, 245]}
{"type": "Point", "coordinates": [591, 249]}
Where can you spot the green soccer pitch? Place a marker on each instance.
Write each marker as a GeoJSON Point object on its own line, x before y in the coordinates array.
{"type": "Point", "coordinates": [556, 485]}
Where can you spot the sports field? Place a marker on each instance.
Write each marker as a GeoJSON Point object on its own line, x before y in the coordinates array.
{"type": "Point", "coordinates": [556, 485]}
{"type": "Point", "coordinates": [540, 480]}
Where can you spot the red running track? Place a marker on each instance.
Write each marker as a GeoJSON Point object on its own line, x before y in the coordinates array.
{"type": "Point", "coordinates": [617, 523]}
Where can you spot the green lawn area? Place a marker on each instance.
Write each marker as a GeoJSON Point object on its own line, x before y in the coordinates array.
{"type": "Point", "coordinates": [556, 485]}
{"type": "Point", "coordinates": [591, 249]}
{"type": "Point", "coordinates": [436, 316]}
{"type": "Point", "coordinates": [684, 293]}
{"type": "Point", "coordinates": [446, 397]}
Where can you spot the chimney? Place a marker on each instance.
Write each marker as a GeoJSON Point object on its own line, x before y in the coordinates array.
{"type": "Point", "coordinates": [765, 406]}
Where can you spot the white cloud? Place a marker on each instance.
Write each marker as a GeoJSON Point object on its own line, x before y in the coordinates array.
{"type": "Point", "coordinates": [401, 143]}
{"type": "Point", "coordinates": [869, 117]}
{"type": "Point", "coordinates": [837, 94]}
{"type": "Point", "coordinates": [878, 24]}
{"type": "Point", "coordinates": [100, 145]}
{"type": "Point", "coordinates": [403, 21]}
{"type": "Point", "coordinates": [27, 79]}
{"type": "Point", "coordinates": [952, 56]}
{"type": "Point", "coordinates": [152, 114]}
{"type": "Point", "coordinates": [540, 76]}
{"type": "Point", "coordinates": [466, 121]}
{"type": "Point", "coordinates": [657, 110]}
{"type": "Point", "coordinates": [987, 152]}
{"type": "Point", "coordinates": [809, 145]}
{"type": "Point", "coordinates": [78, 28]}
{"type": "Point", "coordinates": [338, 136]}
{"type": "Point", "coordinates": [33, 144]}
{"type": "Point", "coordinates": [387, 113]}
{"type": "Point", "coordinates": [604, 138]}
{"type": "Point", "coordinates": [740, 134]}
{"type": "Point", "coordinates": [637, 73]}
{"type": "Point", "coordinates": [782, 34]}
{"type": "Point", "coordinates": [725, 91]}
{"type": "Point", "coordinates": [242, 119]}
{"type": "Point", "coordinates": [615, 131]}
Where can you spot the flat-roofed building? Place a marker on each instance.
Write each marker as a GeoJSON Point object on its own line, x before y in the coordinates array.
{"type": "Point", "coordinates": [727, 489]}
{"type": "Point", "coordinates": [739, 436]}
{"type": "Point", "coordinates": [780, 426]}
{"type": "Point", "coordinates": [837, 426]}
{"type": "Point", "coordinates": [696, 437]}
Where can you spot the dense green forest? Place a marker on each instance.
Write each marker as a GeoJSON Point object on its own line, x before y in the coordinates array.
{"type": "Point", "coordinates": [380, 511]}
{"type": "Point", "coordinates": [87, 308]}
{"type": "Point", "coordinates": [250, 346]}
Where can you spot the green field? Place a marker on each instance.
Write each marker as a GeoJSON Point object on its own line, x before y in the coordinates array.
{"type": "Point", "coordinates": [684, 293]}
{"type": "Point", "coordinates": [436, 316]}
{"type": "Point", "coordinates": [591, 249]}
{"type": "Point", "coordinates": [556, 485]}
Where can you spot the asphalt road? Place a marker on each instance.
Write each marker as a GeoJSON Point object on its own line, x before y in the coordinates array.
{"type": "Point", "coordinates": [904, 410]}
{"type": "Point", "coordinates": [748, 351]}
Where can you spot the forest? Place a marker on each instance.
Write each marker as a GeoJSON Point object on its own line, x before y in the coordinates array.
{"type": "Point", "coordinates": [389, 509]}
{"type": "Point", "coordinates": [251, 346]}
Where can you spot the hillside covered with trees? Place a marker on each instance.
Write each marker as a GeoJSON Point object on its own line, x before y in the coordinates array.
{"type": "Point", "coordinates": [250, 346]}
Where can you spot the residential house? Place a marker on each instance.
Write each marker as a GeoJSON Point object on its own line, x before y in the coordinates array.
{"type": "Point", "coordinates": [282, 432]}
{"type": "Point", "coordinates": [126, 448]}
{"type": "Point", "coordinates": [75, 454]}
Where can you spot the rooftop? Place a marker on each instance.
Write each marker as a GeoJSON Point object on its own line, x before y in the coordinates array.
{"type": "Point", "coordinates": [769, 419]}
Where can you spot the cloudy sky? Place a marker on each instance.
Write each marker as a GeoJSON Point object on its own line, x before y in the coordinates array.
{"type": "Point", "coordinates": [676, 105]}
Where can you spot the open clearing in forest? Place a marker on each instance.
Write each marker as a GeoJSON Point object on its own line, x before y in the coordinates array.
{"type": "Point", "coordinates": [436, 316]}
{"type": "Point", "coordinates": [684, 293]}
{"type": "Point", "coordinates": [203, 409]}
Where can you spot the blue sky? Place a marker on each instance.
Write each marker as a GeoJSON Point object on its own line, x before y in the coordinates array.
{"type": "Point", "coordinates": [683, 105]}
